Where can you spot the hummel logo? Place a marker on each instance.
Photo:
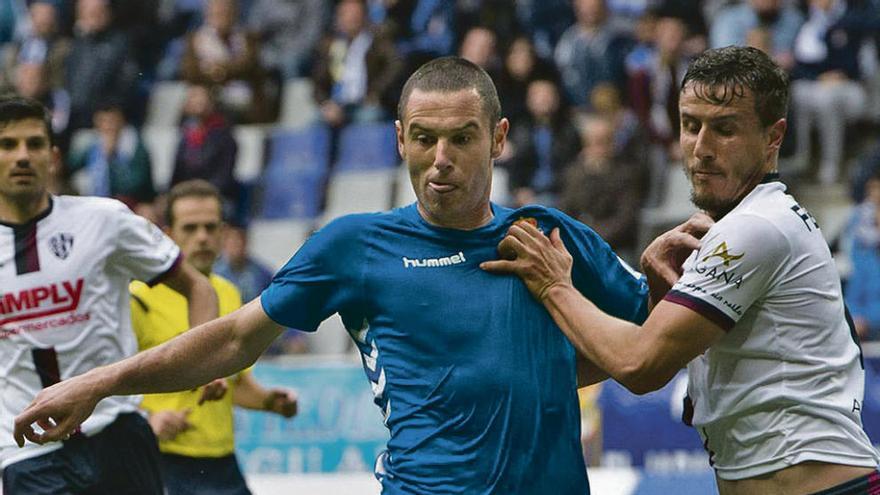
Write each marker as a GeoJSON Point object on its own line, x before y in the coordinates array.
{"type": "Point", "coordinates": [455, 259]}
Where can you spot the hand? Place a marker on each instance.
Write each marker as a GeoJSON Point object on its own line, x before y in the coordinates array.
{"type": "Point", "coordinates": [663, 259]}
{"type": "Point", "coordinates": [214, 390]}
{"type": "Point", "coordinates": [59, 409]}
{"type": "Point", "coordinates": [168, 424]}
{"type": "Point", "coordinates": [541, 262]}
{"type": "Point", "coordinates": [333, 114]}
{"type": "Point", "coordinates": [282, 402]}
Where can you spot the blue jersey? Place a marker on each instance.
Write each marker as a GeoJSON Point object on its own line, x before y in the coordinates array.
{"type": "Point", "coordinates": [475, 381]}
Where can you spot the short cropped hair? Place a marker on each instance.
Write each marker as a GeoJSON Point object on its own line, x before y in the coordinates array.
{"type": "Point", "coordinates": [722, 74]}
{"type": "Point", "coordinates": [450, 74]}
{"type": "Point", "coordinates": [195, 188]}
{"type": "Point", "coordinates": [14, 108]}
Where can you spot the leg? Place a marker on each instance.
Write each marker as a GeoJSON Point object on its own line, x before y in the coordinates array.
{"type": "Point", "coordinates": [801, 95]}
{"type": "Point", "coordinates": [129, 454]}
{"type": "Point", "coordinates": [36, 476]}
{"type": "Point", "coordinates": [203, 475]}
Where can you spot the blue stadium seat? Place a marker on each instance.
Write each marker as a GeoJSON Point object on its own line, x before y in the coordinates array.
{"type": "Point", "coordinates": [367, 146]}
{"type": "Point", "coordinates": [296, 172]}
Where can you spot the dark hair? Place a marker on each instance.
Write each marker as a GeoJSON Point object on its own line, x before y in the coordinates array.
{"type": "Point", "coordinates": [450, 74]}
{"type": "Point", "coordinates": [14, 108]}
{"type": "Point", "coordinates": [195, 188]}
{"type": "Point", "coordinates": [722, 74]}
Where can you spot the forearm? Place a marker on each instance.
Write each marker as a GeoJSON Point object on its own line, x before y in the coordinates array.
{"type": "Point", "coordinates": [611, 344]}
{"type": "Point", "coordinates": [216, 349]}
{"type": "Point", "coordinates": [249, 394]}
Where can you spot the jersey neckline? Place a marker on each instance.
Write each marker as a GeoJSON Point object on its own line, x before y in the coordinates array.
{"type": "Point", "coordinates": [43, 214]}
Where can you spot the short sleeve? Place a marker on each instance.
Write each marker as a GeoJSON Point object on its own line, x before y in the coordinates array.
{"type": "Point", "coordinates": [143, 251]}
{"type": "Point", "coordinates": [601, 276]}
{"type": "Point", "coordinates": [319, 280]}
{"type": "Point", "coordinates": [734, 267]}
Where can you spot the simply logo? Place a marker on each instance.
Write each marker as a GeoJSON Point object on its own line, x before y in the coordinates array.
{"type": "Point", "coordinates": [455, 259]}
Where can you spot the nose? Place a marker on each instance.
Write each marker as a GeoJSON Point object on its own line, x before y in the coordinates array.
{"type": "Point", "coordinates": [20, 154]}
{"type": "Point", "coordinates": [442, 159]}
{"type": "Point", "coordinates": [704, 149]}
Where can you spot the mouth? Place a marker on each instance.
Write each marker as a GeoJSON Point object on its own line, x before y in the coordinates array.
{"type": "Point", "coordinates": [441, 187]}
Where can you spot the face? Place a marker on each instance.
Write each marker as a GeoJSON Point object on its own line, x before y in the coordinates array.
{"type": "Point", "coordinates": [350, 18]}
{"type": "Point", "coordinates": [92, 15]}
{"type": "Point", "coordinates": [27, 161]}
{"type": "Point", "coordinates": [520, 59]}
{"type": "Point", "coordinates": [872, 191]}
{"type": "Point", "coordinates": [235, 244]}
{"type": "Point", "coordinates": [478, 46]}
{"type": "Point", "coordinates": [29, 80]}
{"type": "Point", "coordinates": [109, 122]}
{"type": "Point", "coordinates": [670, 35]}
{"type": "Point", "coordinates": [448, 145]}
{"type": "Point", "coordinates": [198, 102]}
{"type": "Point", "coordinates": [220, 14]}
{"type": "Point", "coordinates": [590, 12]}
{"type": "Point", "coordinates": [599, 140]}
{"type": "Point", "coordinates": [542, 99]}
{"type": "Point", "coordinates": [197, 229]}
{"type": "Point", "coordinates": [43, 18]}
{"type": "Point", "coordinates": [726, 149]}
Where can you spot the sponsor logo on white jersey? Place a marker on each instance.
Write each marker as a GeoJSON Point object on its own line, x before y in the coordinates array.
{"type": "Point", "coordinates": [38, 302]}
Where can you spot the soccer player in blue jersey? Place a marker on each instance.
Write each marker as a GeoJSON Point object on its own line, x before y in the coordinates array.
{"type": "Point", "coordinates": [474, 380]}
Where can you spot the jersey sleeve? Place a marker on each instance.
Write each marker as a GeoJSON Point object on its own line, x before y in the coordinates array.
{"type": "Point", "coordinates": [734, 266]}
{"type": "Point", "coordinates": [601, 276]}
{"type": "Point", "coordinates": [143, 251]}
{"type": "Point", "coordinates": [319, 280]}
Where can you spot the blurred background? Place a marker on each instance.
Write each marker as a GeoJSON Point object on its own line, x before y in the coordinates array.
{"type": "Point", "coordinates": [287, 106]}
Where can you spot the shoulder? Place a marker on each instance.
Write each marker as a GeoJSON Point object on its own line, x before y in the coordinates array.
{"type": "Point", "coordinates": [355, 224]}
{"type": "Point", "coordinates": [749, 234]}
{"type": "Point", "coordinates": [90, 207]}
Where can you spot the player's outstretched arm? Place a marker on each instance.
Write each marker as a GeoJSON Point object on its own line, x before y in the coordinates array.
{"type": "Point", "coordinates": [640, 358]}
{"type": "Point", "coordinates": [218, 348]}
{"type": "Point", "coordinates": [251, 395]}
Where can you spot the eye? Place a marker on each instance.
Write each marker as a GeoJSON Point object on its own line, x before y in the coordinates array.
{"type": "Point", "coordinates": [8, 144]}
{"type": "Point", "coordinates": [424, 139]}
{"type": "Point", "coordinates": [37, 143]}
{"type": "Point", "coordinates": [690, 126]}
{"type": "Point", "coordinates": [462, 139]}
{"type": "Point", "coordinates": [725, 129]}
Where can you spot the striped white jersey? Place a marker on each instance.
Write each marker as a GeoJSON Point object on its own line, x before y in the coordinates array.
{"type": "Point", "coordinates": [64, 303]}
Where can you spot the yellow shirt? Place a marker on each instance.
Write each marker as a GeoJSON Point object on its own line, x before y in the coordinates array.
{"type": "Point", "coordinates": [159, 314]}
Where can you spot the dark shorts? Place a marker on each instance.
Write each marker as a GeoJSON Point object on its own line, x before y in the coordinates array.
{"type": "Point", "coordinates": [864, 485]}
{"type": "Point", "coordinates": [123, 459]}
{"type": "Point", "coordinates": [203, 475]}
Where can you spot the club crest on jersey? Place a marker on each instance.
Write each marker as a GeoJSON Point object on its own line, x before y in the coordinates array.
{"type": "Point", "coordinates": [61, 245]}
{"type": "Point", "coordinates": [721, 252]}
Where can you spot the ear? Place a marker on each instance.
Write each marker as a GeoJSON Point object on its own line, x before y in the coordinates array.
{"type": "Point", "coordinates": [500, 137]}
{"type": "Point", "coordinates": [398, 127]}
{"type": "Point", "coordinates": [775, 134]}
{"type": "Point", "coordinates": [55, 164]}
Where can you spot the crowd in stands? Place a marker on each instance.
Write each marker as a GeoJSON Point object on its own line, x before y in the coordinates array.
{"type": "Point", "coordinates": [590, 87]}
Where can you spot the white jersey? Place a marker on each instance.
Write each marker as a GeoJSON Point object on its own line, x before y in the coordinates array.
{"type": "Point", "coordinates": [64, 303]}
{"type": "Point", "coordinates": [785, 384]}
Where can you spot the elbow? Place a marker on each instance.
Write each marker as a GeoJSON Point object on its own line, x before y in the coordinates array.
{"type": "Point", "coordinates": [642, 378]}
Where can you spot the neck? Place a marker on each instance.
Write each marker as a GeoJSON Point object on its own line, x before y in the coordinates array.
{"type": "Point", "coordinates": [17, 211]}
{"type": "Point", "coordinates": [459, 222]}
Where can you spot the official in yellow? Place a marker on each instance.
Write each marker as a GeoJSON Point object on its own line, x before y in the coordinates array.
{"type": "Point", "coordinates": [195, 428]}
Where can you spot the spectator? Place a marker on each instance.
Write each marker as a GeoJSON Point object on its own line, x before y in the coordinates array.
{"type": "Point", "coordinates": [733, 24]}
{"type": "Point", "coordinates": [290, 30]}
{"type": "Point", "coordinates": [355, 67]}
{"type": "Point", "coordinates": [222, 53]}
{"type": "Point", "coordinates": [541, 147]}
{"type": "Point", "coordinates": [545, 21]}
{"type": "Point", "coordinates": [421, 29]}
{"type": "Point", "coordinates": [480, 46]}
{"type": "Point", "coordinates": [863, 239]}
{"type": "Point", "coordinates": [100, 66]}
{"type": "Point", "coordinates": [591, 51]}
{"type": "Point", "coordinates": [521, 66]}
{"type": "Point", "coordinates": [655, 72]}
{"type": "Point", "coordinates": [42, 44]}
{"type": "Point", "coordinates": [827, 90]}
{"type": "Point", "coordinates": [207, 148]}
{"type": "Point", "coordinates": [116, 163]}
{"type": "Point", "coordinates": [602, 189]}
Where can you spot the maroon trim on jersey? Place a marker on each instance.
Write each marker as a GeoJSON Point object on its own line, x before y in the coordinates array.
{"type": "Point", "coordinates": [46, 363]}
{"type": "Point", "coordinates": [162, 276]}
{"type": "Point", "coordinates": [702, 308]}
{"type": "Point", "coordinates": [27, 258]}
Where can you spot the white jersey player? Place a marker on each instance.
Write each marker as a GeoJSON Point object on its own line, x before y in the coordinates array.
{"type": "Point", "coordinates": [776, 378]}
{"type": "Point", "coordinates": [786, 382]}
{"type": "Point", "coordinates": [66, 263]}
